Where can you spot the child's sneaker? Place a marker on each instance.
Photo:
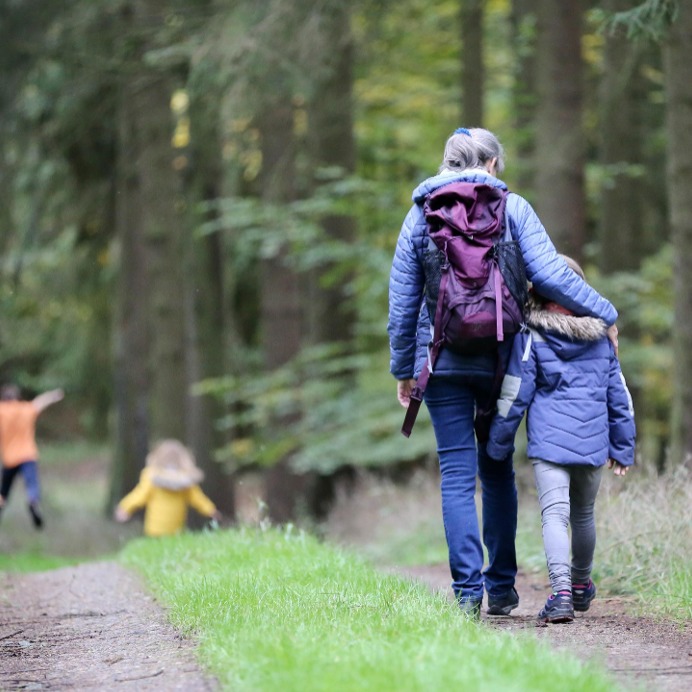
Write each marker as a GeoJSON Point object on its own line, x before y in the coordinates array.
{"type": "Point", "coordinates": [558, 608]}
{"type": "Point", "coordinates": [36, 515]}
{"type": "Point", "coordinates": [582, 595]}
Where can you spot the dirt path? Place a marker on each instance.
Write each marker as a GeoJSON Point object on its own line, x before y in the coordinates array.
{"type": "Point", "coordinates": [94, 627]}
{"type": "Point", "coordinates": [90, 627]}
{"type": "Point", "coordinates": [638, 651]}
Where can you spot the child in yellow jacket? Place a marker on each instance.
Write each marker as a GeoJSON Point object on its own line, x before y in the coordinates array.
{"type": "Point", "coordinates": [168, 485]}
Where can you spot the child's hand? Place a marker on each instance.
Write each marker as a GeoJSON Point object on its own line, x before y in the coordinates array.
{"type": "Point", "coordinates": [613, 336]}
{"type": "Point", "coordinates": [618, 468]}
{"type": "Point", "coordinates": [120, 515]}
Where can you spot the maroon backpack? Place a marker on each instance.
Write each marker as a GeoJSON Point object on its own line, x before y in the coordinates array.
{"type": "Point", "coordinates": [475, 281]}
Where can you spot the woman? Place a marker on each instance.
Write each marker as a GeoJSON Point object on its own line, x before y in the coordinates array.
{"type": "Point", "coordinates": [459, 383]}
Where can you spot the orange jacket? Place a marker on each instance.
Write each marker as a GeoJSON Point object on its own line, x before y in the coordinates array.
{"type": "Point", "coordinates": [18, 432]}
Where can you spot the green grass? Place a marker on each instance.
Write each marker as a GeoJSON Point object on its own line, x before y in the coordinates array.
{"type": "Point", "coordinates": [644, 539]}
{"type": "Point", "coordinates": [643, 524]}
{"type": "Point", "coordinates": [279, 610]}
{"type": "Point", "coordinates": [32, 562]}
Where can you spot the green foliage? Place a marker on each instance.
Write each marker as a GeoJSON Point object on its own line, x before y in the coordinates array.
{"type": "Point", "coordinates": [645, 304]}
{"type": "Point", "coordinates": [649, 20]}
{"type": "Point", "coordinates": [265, 621]}
{"type": "Point", "coordinates": [343, 410]}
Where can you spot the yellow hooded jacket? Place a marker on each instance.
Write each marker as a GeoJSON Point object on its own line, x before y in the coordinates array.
{"type": "Point", "coordinates": [165, 507]}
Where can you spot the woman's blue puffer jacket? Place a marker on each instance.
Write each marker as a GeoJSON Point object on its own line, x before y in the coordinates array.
{"type": "Point", "coordinates": [409, 323]}
{"type": "Point", "coordinates": [565, 372]}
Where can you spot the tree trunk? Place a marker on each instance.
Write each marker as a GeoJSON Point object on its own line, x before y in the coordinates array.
{"type": "Point", "coordinates": [282, 317]}
{"type": "Point", "coordinates": [679, 116]}
{"type": "Point", "coordinates": [621, 136]}
{"type": "Point", "coordinates": [205, 313]}
{"type": "Point", "coordinates": [560, 149]}
{"type": "Point", "coordinates": [151, 375]}
{"type": "Point", "coordinates": [131, 330]}
{"type": "Point", "coordinates": [523, 22]}
{"type": "Point", "coordinates": [472, 64]}
{"type": "Point", "coordinates": [164, 232]}
{"type": "Point", "coordinates": [331, 144]}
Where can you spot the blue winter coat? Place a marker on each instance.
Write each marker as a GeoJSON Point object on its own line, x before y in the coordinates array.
{"type": "Point", "coordinates": [409, 323]}
{"type": "Point", "coordinates": [564, 370]}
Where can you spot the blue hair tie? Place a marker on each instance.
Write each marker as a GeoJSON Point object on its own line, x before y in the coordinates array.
{"type": "Point", "coordinates": [462, 131]}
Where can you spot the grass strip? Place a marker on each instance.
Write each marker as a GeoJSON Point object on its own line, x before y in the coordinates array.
{"type": "Point", "coordinates": [276, 609]}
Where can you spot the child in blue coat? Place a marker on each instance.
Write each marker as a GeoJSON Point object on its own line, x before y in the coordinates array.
{"type": "Point", "coordinates": [564, 371]}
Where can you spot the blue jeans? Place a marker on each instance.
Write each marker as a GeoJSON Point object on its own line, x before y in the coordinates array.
{"type": "Point", "coordinates": [29, 471]}
{"type": "Point", "coordinates": [451, 401]}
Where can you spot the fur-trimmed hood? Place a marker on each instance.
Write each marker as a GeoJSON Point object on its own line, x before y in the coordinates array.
{"type": "Point", "coordinates": [170, 465]}
{"type": "Point", "coordinates": [567, 335]}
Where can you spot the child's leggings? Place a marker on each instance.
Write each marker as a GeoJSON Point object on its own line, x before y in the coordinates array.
{"type": "Point", "coordinates": [567, 495]}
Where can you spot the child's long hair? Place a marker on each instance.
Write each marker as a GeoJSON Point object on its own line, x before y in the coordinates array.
{"type": "Point", "coordinates": [574, 266]}
{"type": "Point", "coordinates": [172, 466]}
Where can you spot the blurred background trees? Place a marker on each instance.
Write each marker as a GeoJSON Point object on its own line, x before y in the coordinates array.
{"type": "Point", "coordinates": [199, 202]}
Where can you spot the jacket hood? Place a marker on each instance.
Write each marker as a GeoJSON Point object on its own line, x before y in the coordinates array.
{"type": "Point", "coordinates": [567, 335]}
{"type": "Point", "coordinates": [472, 175]}
{"type": "Point", "coordinates": [170, 465]}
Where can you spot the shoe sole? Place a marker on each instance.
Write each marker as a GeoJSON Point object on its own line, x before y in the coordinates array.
{"type": "Point", "coordinates": [582, 608]}
{"type": "Point", "coordinates": [501, 610]}
{"type": "Point", "coordinates": [557, 619]}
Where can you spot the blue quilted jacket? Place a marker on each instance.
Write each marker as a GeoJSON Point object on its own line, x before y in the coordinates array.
{"type": "Point", "coordinates": [563, 369]}
{"type": "Point", "coordinates": [409, 323]}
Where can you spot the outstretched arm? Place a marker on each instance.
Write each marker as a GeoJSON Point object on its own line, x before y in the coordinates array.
{"type": "Point", "coordinates": [43, 401]}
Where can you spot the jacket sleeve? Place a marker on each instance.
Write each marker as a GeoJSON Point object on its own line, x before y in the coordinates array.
{"type": "Point", "coordinates": [548, 272]}
{"type": "Point", "coordinates": [406, 283]}
{"type": "Point", "coordinates": [518, 389]}
{"type": "Point", "coordinates": [199, 501]}
{"type": "Point", "coordinates": [138, 496]}
{"type": "Point", "coordinates": [622, 429]}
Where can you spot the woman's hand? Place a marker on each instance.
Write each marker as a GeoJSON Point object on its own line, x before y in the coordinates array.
{"type": "Point", "coordinates": [403, 391]}
{"type": "Point", "coordinates": [120, 515]}
{"type": "Point", "coordinates": [618, 468]}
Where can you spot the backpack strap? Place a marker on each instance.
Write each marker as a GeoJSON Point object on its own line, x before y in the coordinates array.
{"type": "Point", "coordinates": [428, 366]}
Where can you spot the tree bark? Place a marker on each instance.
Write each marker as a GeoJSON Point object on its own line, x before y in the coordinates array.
{"type": "Point", "coordinates": [205, 312]}
{"type": "Point", "coordinates": [679, 116]}
{"type": "Point", "coordinates": [131, 330]}
{"type": "Point", "coordinates": [523, 23]}
{"type": "Point", "coordinates": [622, 100]}
{"type": "Point", "coordinates": [472, 63]}
{"type": "Point", "coordinates": [560, 148]}
{"type": "Point", "coordinates": [332, 144]}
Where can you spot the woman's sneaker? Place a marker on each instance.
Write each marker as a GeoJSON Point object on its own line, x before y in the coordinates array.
{"type": "Point", "coordinates": [558, 608]}
{"type": "Point", "coordinates": [582, 595]}
{"type": "Point", "coordinates": [504, 604]}
{"type": "Point", "coordinates": [470, 608]}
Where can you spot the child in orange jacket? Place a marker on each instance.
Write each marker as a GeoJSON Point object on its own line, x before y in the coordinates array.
{"type": "Point", "coordinates": [18, 444]}
{"type": "Point", "coordinates": [168, 485]}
